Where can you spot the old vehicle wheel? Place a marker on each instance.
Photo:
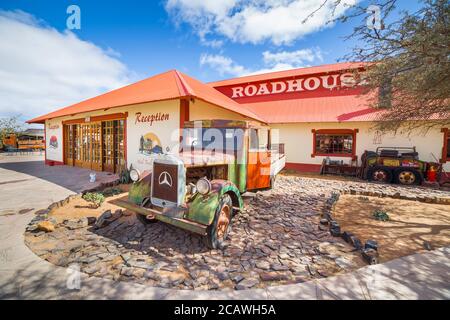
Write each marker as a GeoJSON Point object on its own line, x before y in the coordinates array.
{"type": "Point", "coordinates": [218, 231]}
{"type": "Point", "coordinates": [408, 177]}
{"type": "Point", "coordinates": [144, 220]}
{"type": "Point", "coordinates": [380, 175]}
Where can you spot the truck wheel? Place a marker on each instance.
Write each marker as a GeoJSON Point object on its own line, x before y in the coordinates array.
{"type": "Point", "coordinates": [380, 175]}
{"type": "Point", "coordinates": [144, 220]}
{"type": "Point", "coordinates": [408, 177]}
{"type": "Point", "coordinates": [218, 231]}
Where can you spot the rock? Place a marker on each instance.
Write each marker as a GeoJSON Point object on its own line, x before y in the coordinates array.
{"type": "Point", "coordinates": [273, 276]}
{"type": "Point", "coordinates": [246, 284]}
{"type": "Point", "coordinates": [370, 256]}
{"type": "Point", "coordinates": [91, 220]}
{"type": "Point", "coordinates": [335, 231]}
{"type": "Point", "coordinates": [32, 228]}
{"type": "Point", "coordinates": [223, 276]}
{"type": "Point", "coordinates": [279, 267]}
{"type": "Point", "coordinates": [46, 226]}
{"type": "Point", "coordinates": [264, 265]}
{"type": "Point", "coordinates": [371, 244]}
{"type": "Point", "coordinates": [344, 263]}
{"type": "Point", "coordinates": [427, 246]}
{"type": "Point", "coordinates": [103, 221]}
{"type": "Point", "coordinates": [324, 222]}
{"type": "Point", "coordinates": [356, 243]}
{"type": "Point", "coordinates": [346, 235]}
{"type": "Point", "coordinates": [126, 271]}
{"type": "Point", "coordinates": [152, 275]}
{"type": "Point", "coordinates": [238, 278]}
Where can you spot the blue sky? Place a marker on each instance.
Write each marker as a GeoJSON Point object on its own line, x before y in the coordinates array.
{"type": "Point", "coordinates": [46, 67]}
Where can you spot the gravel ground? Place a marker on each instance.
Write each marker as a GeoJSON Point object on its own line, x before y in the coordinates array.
{"type": "Point", "coordinates": [276, 239]}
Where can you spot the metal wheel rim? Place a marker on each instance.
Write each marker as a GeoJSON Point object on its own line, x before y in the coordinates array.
{"type": "Point", "coordinates": [380, 175]}
{"type": "Point", "coordinates": [223, 221]}
{"type": "Point", "coordinates": [406, 177]}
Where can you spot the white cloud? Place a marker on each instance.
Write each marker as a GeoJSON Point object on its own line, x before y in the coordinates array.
{"type": "Point", "coordinates": [272, 61]}
{"type": "Point", "coordinates": [42, 69]}
{"type": "Point", "coordinates": [255, 21]}
{"type": "Point", "coordinates": [223, 65]}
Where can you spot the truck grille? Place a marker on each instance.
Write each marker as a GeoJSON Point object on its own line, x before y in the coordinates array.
{"type": "Point", "coordinates": [165, 182]}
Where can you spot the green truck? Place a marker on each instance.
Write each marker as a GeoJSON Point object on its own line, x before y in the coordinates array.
{"type": "Point", "coordinates": [200, 188]}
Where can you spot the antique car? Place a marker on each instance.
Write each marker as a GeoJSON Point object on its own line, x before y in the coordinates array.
{"type": "Point", "coordinates": [200, 188]}
{"type": "Point", "coordinates": [397, 165]}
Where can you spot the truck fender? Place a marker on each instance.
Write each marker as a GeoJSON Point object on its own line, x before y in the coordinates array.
{"type": "Point", "coordinates": [203, 208]}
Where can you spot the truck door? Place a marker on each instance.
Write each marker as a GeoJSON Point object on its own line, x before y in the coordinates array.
{"type": "Point", "coordinates": [258, 160]}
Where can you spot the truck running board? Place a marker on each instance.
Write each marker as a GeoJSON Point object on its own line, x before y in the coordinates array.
{"type": "Point", "coordinates": [177, 222]}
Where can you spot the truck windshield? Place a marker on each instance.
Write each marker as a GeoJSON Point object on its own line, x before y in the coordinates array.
{"type": "Point", "coordinates": [214, 139]}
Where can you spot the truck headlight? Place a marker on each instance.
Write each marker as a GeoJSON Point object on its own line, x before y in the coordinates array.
{"type": "Point", "coordinates": [134, 175]}
{"type": "Point", "coordinates": [203, 186]}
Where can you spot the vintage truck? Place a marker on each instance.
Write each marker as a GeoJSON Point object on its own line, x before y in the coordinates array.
{"type": "Point", "coordinates": [397, 165]}
{"type": "Point", "coordinates": [200, 188]}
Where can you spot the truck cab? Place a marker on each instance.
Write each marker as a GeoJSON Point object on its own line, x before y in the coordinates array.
{"type": "Point", "coordinates": [200, 188]}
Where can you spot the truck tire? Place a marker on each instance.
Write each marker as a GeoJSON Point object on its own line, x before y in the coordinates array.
{"type": "Point", "coordinates": [408, 176]}
{"type": "Point", "coordinates": [218, 231]}
{"type": "Point", "coordinates": [379, 174]}
{"type": "Point", "coordinates": [144, 220]}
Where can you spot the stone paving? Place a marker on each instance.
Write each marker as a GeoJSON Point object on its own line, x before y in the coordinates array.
{"type": "Point", "coordinates": [276, 240]}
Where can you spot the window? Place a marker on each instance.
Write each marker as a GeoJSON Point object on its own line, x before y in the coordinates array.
{"type": "Point", "coordinates": [446, 147]}
{"type": "Point", "coordinates": [337, 143]}
{"type": "Point", "coordinates": [259, 139]}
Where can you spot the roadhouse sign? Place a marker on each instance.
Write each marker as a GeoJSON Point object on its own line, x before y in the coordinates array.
{"type": "Point", "coordinates": [312, 83]}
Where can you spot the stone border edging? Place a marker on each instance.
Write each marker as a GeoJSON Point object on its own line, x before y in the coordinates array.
{"type": "Point", "coordinates": [397, 195]}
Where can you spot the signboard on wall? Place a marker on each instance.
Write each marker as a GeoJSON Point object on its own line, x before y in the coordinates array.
{"type": "Point", "coordinates": [292, 88]}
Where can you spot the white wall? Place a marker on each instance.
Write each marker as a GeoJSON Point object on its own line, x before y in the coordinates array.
{"type": "Point", "coordinates": [54, 128]}
{"type": "Point", "coordinates": [167, 131]}
{"type": "Point", "coordinates": [298, 140]}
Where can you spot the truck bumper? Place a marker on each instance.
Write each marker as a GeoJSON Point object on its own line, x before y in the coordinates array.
{"type": "Point", "coordinates": [191, 226]}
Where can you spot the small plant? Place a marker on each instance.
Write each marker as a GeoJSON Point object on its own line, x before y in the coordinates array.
{"type": "Point", "coordinates": [380, 215]}
{"type": "Point", "coordinates": [124, 175]}
{"type": "Point", "coordinates": [95, 198]}
{"type": "Point", "coordinates": [363, 198]}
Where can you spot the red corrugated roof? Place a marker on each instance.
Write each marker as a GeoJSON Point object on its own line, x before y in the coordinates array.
{"type": "Point", "coordinates": [321, 109]}
{"type": "Point", "coordinates": [165, 86]}
{"type": "Point", "coordinates": [290, 73]}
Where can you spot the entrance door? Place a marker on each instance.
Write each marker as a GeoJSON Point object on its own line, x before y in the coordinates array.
{"type": "Point", "coordinates": [96, 146]}
{"type": "Point", "coordinates": [258, 166]}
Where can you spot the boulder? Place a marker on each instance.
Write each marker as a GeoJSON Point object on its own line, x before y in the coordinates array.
{"type": "Point", "coordinates": [371, 244]}
{"type": "Point", "coordinates": [46, 226]}
{"type": "Point", "coordinates": [247, 284]}
{"type": "Point", "coordinates": [346, 235]}
{"type": "Point", "coordinates": [370, 256]}
{"type": "Point", "coordinates": [103, 220]}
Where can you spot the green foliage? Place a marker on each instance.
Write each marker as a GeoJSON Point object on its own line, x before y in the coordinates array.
{"type": "Point", "coordinates": [124, 175]}
{"type": "Point", "coordinates": [95, 198]}
{"type": "Point", "coordinates": [380, 215]}
{"type": "Point", "coordinates": [9, 125]}
{"type": "Point", "coordinates": [412, 62]}
{"type": "Point", "coordinates": [109, 192]}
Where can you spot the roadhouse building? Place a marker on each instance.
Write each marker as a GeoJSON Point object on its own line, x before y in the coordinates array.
{"type": "Point", "coordinates": [318, 111]}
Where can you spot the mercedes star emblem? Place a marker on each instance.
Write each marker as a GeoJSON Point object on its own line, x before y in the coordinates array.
{"type": "Point", "coordinates": [165, 178]}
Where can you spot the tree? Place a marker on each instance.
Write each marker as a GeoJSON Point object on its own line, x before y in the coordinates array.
{"type": "Point", "coordinates": [10, 125]}
{"type": "Point", "coordinates": [408, 62]}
